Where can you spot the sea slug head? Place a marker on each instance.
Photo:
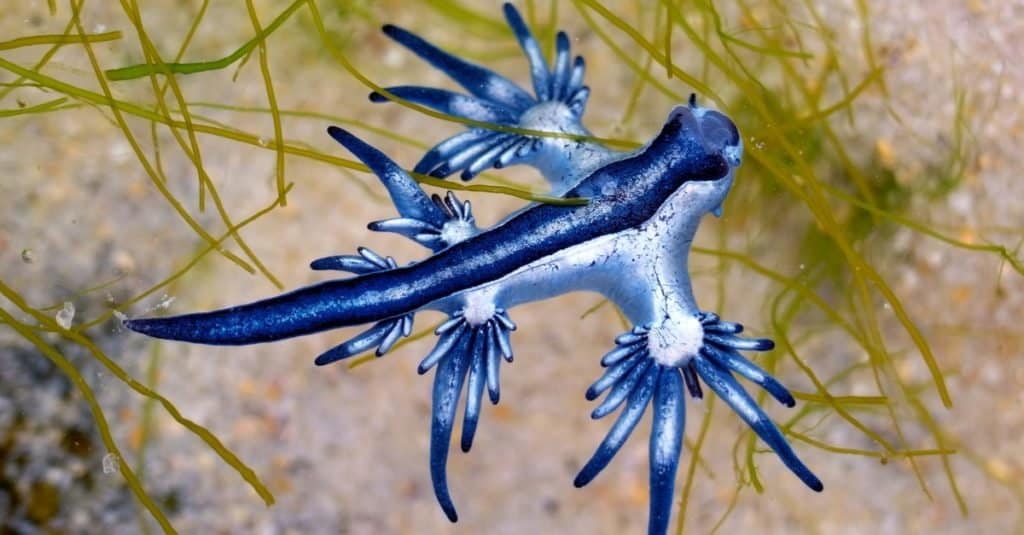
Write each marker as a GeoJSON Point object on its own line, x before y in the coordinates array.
{"type": "Point", "coordinates": [718, 133]}
{"type": "Point", "coordinates": [709, 133]}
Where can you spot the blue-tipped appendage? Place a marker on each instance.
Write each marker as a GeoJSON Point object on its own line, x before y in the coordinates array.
{"type": "Point", "coordinates": [458, 224]}
{"type": "Point", "coordinates": [633, 379]}
{"type": "Point", "coordinates": [383, 335]}
{"type": "Point", "coordinates": [557, 104]}
{"type": "Point", "coordinates": [431, 221]}
{"type": "Point", "coordinates": [464, 352]}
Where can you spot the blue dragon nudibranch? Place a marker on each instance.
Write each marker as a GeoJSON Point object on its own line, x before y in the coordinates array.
{"type": "Point", "coordinates": [630, 243]}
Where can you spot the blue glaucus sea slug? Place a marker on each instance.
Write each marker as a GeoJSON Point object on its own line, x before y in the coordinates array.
{"type": "Point", "coordinates": [629, 243]}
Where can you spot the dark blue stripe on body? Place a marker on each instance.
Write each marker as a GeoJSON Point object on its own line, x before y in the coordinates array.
{"type": "Point", "coordinates": [622, 195]}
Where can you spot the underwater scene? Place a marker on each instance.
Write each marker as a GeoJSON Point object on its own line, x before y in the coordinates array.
{"type": "Point", "coordinates": [552, 266]}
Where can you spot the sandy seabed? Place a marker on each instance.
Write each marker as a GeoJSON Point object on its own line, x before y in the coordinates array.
{"type": "Point", "coordinates": [345, 451]}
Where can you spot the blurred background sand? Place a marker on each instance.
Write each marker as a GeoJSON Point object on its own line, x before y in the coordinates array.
{"type": "Point", "coordinates": [345, 451]}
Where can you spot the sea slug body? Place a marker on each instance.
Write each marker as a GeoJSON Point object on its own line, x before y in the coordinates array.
{"type": "Point", "coordinates": [629, 243]}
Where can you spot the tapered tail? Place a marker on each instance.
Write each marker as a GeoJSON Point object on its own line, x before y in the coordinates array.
{"type": "Point", "coordinates": [331, 304]}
